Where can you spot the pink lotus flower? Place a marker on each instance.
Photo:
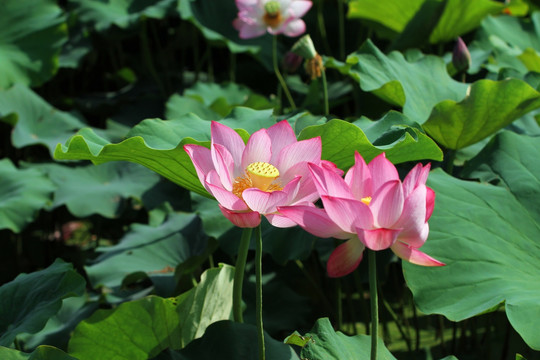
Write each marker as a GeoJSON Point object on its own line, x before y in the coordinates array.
{"type": "Point", "coordinates": [370, 208]}
{"type": "Point", "coordinates": [252, 179]}
{"type": "Point", "coordinates": [256, 17]}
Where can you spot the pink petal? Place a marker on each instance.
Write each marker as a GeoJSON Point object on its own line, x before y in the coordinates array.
{"type": "Point", "coordinates": [382, 171]}
{"type": "Point", "coordinates": [302, 151]}
{"type": "Point", "coordinates": [262, 201]}
{"type": "Point", "coordinates": [224, 197]}
{"type": "Point", "coordinates": [348, 214]}
{"type": "Point", "coordinates": [299, 8]}
{"type": "Point", "coordinates": [331, 166]}
{"type": "Point", "coordinates": [387, 204]}
{"type": "Point", "coordinates": [414, 256]}
{"type": "Point", "coordinates": [378, 239]}
{"type": "Point", "coordinates": [314, 220]}
{"type": "Point", "coordinates": [307, 192]}
{"type": "Point", "coordinates": [418, 175]}
{"type": "Point", "coordinates": [229, 138]}
{"type": "Point", "coordinates": [358, 178]}
{"type": "Point", "coordinates": [202, 160]}
{"type": "Point", "coordinates": [224, 164]}
{"type": "Point", "coordinates": [291, 189]}
{"type": "Point", "coordinates": [329, 183]}
{"type": "Point", "coordinates": [249, 219]}
{"type": "Point", "coordinates": [281, 135]}
{"type": "Point", "coordinates": [413, 217]}
{"type": "Point", "coordinates": [246, 5]}
{"type": "Point", "coordinates": [294, 28]}
{"type": "Point", "coordinates": [415, 239]}
{"type": "Point", "coordinates": [430, 202]}
{"type": "Point", "coordinates": [280, 221]}
{"type": "Point", "coordinates": [345, 258]}
{"type": "Point", "coordinates": [257, 148]}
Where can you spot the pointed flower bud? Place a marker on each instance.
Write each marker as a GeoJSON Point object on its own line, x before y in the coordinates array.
{"type": "Point", "coordinates": [461, 58]}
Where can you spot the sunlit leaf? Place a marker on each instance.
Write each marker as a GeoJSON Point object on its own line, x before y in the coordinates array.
{"type": "Point", "coordinates": [488, 237]}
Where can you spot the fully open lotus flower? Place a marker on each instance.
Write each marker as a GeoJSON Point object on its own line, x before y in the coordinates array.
{"type": "Point", "coordinates": [250, 180]}
{"type": "Point", "coordinates": [256, 17]}
{"type": "Point", "coordinates": [371, 208]}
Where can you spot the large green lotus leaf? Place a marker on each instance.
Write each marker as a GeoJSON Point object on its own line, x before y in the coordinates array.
{"type": "Point", "coordinates": [390, 13]}
{"type": "Point", "coordinates": [490, 106]}
{"type": "Point", "coordinates": [34, 120]}
{"type": "Point", "coordinates": [27, 302]}
{"type": "Point", "coordinates": [87, 190]}
{"type": "Point", "coordinates": [142, 329]}
{"type": "Point", "coordinates": [122, 13]}
{"type": "Point", "coordinates": [322, 342]}
{"type": "Point", "coordinates": [341, 139]}
{"type": "Point", "coordinates": [158, 144]}
{"type": "Point", "coordinates": [416, 86]}
{"type": "Point", "coordinates": [214, 19]}
{"type": "Point", "coordinates": [211, 101]}
{"type": "Point", "coordinates": [488, 237]}
{"type": "Point", "coordinates": [32, 33]}
{"type": "Point", "coordinates": [43, 352]}
{"type": "Point", "coordinates": [22, 194]}
{"type": "Point", "coordinates": [230, 340]}
{"type": "Point", "coordinates": [155, 250]}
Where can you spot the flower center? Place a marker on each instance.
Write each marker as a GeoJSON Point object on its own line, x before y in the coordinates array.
{"type": "Point", "coordinates": [272, 14]}
{"type": "Point", "coordinates": [366, 200]}
{"type": "Point", "coordinates": [259, 175]}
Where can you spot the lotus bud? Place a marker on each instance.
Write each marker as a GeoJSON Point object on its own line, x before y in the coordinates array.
{"type": "Point", "coordinates": [461, 58]}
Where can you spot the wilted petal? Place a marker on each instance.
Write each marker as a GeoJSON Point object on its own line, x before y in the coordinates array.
{"type": "Point", "coordinates": [387, 204]}
{"type": "Point", "coordinates": [358, 178]}
{"type": "Point", "coordinates": [414, 256]}
{"type": "Point", "coordinates": [201, 159]}
{"type": "Point", "coordinates": [329, 183]}
{"type": "Point", "coordinates": [281, 135]}
{"type": "Point", "coordinates": [345, 258]}
{"type": "Point", "coordinates": [348, 214]}
{"type": "Point", "coordinates": [224, 135]}
{"type": "Point", "coordinates": [257, 149]}
{"type": "Point", "coordinates": [378, 239]}
{"type": "Point", "coordinates": [314, 220]}
{"type": "Point", "coordinates": [382, 171]}
{"type": "Point", "coordinates": [248, 219]}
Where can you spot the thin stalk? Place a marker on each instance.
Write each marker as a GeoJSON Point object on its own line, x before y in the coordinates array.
{"type": "Point", "coordinates": [339, 292]}
{"type": "Point", "coordinates": [325, 93]}
{"type": "Point", "coordinates": [278, 74]}
{"type": "Point", "coordinates": [394, 316]}
{"type": "Point", "coordinates": [322, 27]}
{"type": "Point", "coordinates": [374, 305]}
{"type": "Point", "coordinates": [239, 274]}
{"type": "Point", "coordinates": [363, 302]}
{"type": "Point", "coordinates": [258, 285]}
{"type": "Point", "coordinates": [147, 56]}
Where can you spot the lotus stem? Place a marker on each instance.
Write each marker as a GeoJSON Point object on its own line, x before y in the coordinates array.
{"type": "Point", "coordinates": [372, 258]}
{"type": "Point", "coordinates": [239, 274]}
{"type": "Point", "coordinates": [278, 74]}
{"type": "Point", "coordinates": [258, 285]}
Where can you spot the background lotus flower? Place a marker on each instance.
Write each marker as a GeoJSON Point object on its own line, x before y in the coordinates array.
{"type": "Point", "coordinates": [371, 208]}
{"type": "Point", "coordinates": [256, 17]}
{"type": "Point", "coordinates": [252, 179]}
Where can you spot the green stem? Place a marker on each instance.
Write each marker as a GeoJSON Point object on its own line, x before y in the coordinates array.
{"type": "Point", "coordinates": [322, 27]}
{"type": "Point", "coordinates": [239, 274]}
{"type": "Point", "coordinates": [450, 157]}
{"type": "Point", "coordinates": [374, 306]}
{"type": "Point", "coordinates": [325, 93]}
{"type": "Point", "coordinates": [258, 284]}
{"type": "Point", "coordinates": [147, 56]}
{"type": "Point", "coordinates": [278, 74]}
